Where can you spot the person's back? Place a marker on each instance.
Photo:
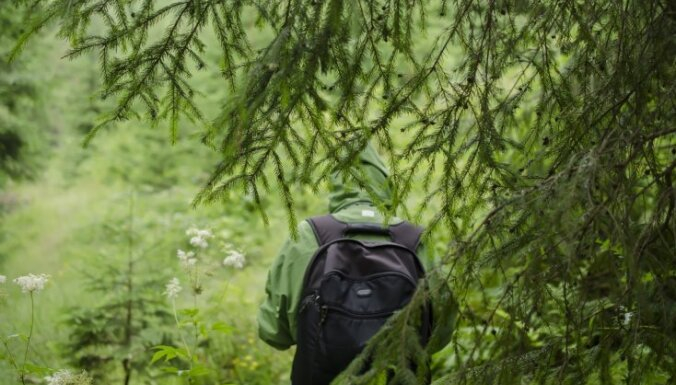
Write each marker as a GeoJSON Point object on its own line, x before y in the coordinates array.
{"type": "Point", "coordinates": [287, 284]}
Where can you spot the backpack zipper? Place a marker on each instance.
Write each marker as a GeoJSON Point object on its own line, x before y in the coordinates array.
{"type": "Point", "coordinates": [322, 314]}
{"type": "Point", "coordinates": [323, 247]}
{"type": "Point", "coordinates": [339, 273]}
{"type": "Point", "coordinates": [326, 308]}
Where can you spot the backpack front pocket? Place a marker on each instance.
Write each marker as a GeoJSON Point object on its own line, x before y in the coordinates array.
{"type": "Point", "coordinates": [366, 296]}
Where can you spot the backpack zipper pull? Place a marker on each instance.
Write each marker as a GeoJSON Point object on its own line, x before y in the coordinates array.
{"type": "Point", "coordinates": [303, 307]}
{"type": "Point", "coordinates": [314, 299]}
{"type": "Point", "coordinates": [322, 314]}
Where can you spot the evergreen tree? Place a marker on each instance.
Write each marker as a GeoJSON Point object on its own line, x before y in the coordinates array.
{"type": "Point", "coordinates": [110, 339]}
{"type": "Point", "coordinates": [540, 132]}
{"type": "Point", "coordinates": [20, 107]}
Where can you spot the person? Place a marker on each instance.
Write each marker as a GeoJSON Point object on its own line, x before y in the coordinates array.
{"type": "Point", "coordinates": [349, 202]}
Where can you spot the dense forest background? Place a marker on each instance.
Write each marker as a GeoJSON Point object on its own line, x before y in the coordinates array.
{"type": "Point", "coordinates": [548, 188]}
{"type": "Point", "coordinates": [65, 211]}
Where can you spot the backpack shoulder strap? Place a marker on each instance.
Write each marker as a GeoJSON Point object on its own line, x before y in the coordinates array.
{"type": "Point", "coordinates": [327, 228]}
{"type": "Point", "coordinates": [406, 234]}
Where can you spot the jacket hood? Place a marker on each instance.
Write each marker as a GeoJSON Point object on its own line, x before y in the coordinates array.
{"type": "Point", "coordinates": [368, 180]}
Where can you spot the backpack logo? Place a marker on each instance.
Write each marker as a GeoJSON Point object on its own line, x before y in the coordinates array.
{"type": "Point", "coordinates": [364, 292]}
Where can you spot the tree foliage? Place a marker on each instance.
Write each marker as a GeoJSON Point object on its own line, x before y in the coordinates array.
{"type": "Point", "coordinates": [21, 113]}
{"type": "Point", "coordinates": [541, 133]}
{"type": "Point", "coordinates": [110, 338]}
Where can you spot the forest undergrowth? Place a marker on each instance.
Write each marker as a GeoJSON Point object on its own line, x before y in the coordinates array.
{"type": "Point", "coordinates": [74, 221]}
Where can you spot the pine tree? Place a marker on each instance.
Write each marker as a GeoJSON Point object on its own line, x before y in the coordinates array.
{"type": "Point", "coordinates": [539, 132]}
{"type": "Point", "coordinates": [111, 339]}
{"type": "Point", "coordinates": [20, 107]}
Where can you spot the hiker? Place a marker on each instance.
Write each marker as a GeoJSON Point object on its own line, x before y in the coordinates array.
{"type": "Point", "coordinates": [287, 296]}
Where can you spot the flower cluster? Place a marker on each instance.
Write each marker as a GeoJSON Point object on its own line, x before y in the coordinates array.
{"type": "Point", "coordinates": [67, 377]}
{"type": "Point", "coordinates": [32, 283]}
{"type": "Point", "coordinates": [187, 258]}
{"type": "Point", "coordinates": [234, 258]}
{"type": "Point", "coordinates": [189, 261]}
{"type": "Point", "coordinates": [173, 288]}
{"type": "Point", "coordinates": [199, 237]}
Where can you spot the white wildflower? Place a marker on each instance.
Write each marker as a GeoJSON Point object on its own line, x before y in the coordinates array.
{"type": "Point", "coordinates": [173, 288]}
{"type": "Point", "coordinates": [199, 237]}
{"type": "Point", "coordinates": [204, 233]}
{"type": "Point", "coordinates": [31, 282]}
{"type": "Point", "coordinates": [195, 232]}
{"type": "Point", "coordinates": [199, 242]}
{"type": "Point", "coordinates": [3, 279]}
{"type": "Point", "coordinates": [67, 377]}
{"type": "Point", "coordinates": [187, 258]}
{"type": "Point", "coordinates": [183, 255]}
{"type": "Point", "coordinates": [234, 259]}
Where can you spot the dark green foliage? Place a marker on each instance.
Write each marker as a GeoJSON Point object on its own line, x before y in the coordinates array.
{"type": "Point", "coordinates": [540, 134]}
{"type": "Point", "coordinates": [21, 110]}
{"type": "Point", "coordinates": [111, 340]}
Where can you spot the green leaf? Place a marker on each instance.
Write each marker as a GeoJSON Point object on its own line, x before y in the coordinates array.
{"type": "Point", "coordinates": [222, 327]}
{"type": "Point", "coordinates": [189, 312]}
{"type": "Point", "coordinates": [170, 369]}
{"type": "Point", "coordinates": [167, 352]}
{"type": "Point", "coordinates": [157, 356]}
{"type": "Point", "coordinates": [36, 369]}
{"type": "Point", "coordinates": [198, 371]}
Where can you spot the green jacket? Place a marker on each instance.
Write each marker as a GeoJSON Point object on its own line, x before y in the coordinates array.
{"type": "Point", "coordinates": [348, 202]}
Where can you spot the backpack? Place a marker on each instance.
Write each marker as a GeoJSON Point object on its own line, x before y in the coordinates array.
{"type": "Point", "coordinates": [350, 289]}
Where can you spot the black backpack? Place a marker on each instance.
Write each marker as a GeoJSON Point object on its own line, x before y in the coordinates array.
{"type": "Point", "coordinates": [350, 288]}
